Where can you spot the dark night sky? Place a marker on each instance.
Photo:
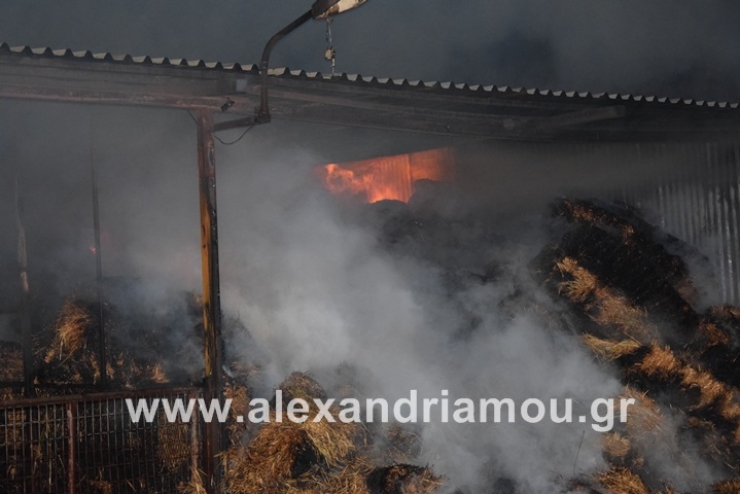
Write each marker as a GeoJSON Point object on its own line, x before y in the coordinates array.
{"type": "Point", "coordinates": [673, 48]}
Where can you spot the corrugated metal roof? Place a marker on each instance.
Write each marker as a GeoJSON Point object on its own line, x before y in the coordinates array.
{"type": "Point", "coordinates": [461, 89]}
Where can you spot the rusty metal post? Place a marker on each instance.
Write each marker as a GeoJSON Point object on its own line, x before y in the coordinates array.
{"type": "Point", "coordinates": [71, 447]}
{"type": "Point", "coordinates": [196, 476]}
{"type": "Point", "coordinates": [213, 436]}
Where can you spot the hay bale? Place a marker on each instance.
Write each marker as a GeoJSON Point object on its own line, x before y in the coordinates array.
{"type": "Point", "coordinates": [642, 417]}
{"type": "Point", "coordinates": [239, 396]}
{"type": "Point", "coordinates": [395, 443]}
{"type": "Point", "coordinates": [615, 446]}
{"type": "Point", "coordinates": [614, 314]}
{"type": "Point", "coordinates": [636, 233]}
{"type": "Point", "coordinates": [301, 385]}
{"type": "Point", "coordinates": [272, 462]}
{"type": "Point", "coordinates": [610, 350]}
{"type": "Point", "coordinates": [195, 486]}
{"type": "Point", "coordinates": [349, 479]}
{"type": "Point", "coordinates": [321, 457]}
{"type": "Point", "coordinates": [67, 353]}
{"type": "Point", "coordinates": [622, 481]}
{"type": "Point", "coordinates": [403, 479]}
{"type": "Point", "coordinates": [284, 455]}
{"type": "Point", "coordinates": [639, 267]}
{"type": "Point", "coordinates": [727, 487]}
{"type": "Point", "coordinates": [718, 344]}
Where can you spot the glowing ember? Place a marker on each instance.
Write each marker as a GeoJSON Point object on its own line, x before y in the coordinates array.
{"type": "Point", "coordinates": [389, 177]}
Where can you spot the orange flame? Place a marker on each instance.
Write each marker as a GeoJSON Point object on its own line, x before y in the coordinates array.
{"type": "Point", "coordinates": [389, 177]}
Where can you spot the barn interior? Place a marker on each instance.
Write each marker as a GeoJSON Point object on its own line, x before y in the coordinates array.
{"type": "Point", "coordinates": [377, 236]}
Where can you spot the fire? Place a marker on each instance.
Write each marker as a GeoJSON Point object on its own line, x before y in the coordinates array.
{"type": "Point", "coordinates": [388, 177]}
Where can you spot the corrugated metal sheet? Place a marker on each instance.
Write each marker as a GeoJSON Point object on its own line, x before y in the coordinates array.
{"type": "Point", "coordinates": [702, 208]}
{"type": "Point", "coordinates": [694, 195]}
{"type": "Point", "coordinates": [355, 79]}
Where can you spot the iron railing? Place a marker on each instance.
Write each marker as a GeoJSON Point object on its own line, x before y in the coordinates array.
{"type": "Point", "coordinates": [89, 444]}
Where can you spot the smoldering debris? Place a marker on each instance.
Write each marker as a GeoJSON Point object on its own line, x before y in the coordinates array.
{"type": "Point", "coordinates": [608, 306]}
{"type": "Point", "coordinates": [66, 349]}
{"type": "Point", "coordinates": [637, 305]}
{"type": "Point", "coordinates": [621, 288]}
{"type": "Point", "coordinates": [323, 457]}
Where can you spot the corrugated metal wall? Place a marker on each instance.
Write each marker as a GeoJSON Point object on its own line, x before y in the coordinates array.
{"type": "Point", "coordinates": [702, 207]}
{"type": "Point", "coordinates": [689, 189]}
{"type": "Point", "coordinates": [692, 191]}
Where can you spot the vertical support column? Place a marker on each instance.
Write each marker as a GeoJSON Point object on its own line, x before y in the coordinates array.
{"type": "Point", "coordinates": [212, 441]}
{"type": "Point", "coordinates": [102, 358]}
{"type": "Point", "coordinates": [27, 341]}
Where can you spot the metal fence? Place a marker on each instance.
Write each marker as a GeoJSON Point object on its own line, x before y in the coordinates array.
{"type": "Point", "coordinates": [89, 444]}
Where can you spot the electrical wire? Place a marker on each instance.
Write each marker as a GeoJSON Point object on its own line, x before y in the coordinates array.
{"type": "Point", "coordinates": [225, 143]}
{"type": "Point", "coordinates": [229, 143]}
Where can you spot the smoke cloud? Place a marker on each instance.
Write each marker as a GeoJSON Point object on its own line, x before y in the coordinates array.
{"type": "Point", "coordinates": [662, 47]}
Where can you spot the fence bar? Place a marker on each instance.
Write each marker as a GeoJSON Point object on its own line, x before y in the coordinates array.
{"type": "Point", "coordinates": [71, 447]}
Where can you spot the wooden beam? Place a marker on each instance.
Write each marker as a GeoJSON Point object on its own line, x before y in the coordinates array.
{"type": "Point", "coordinates": [213, 345]}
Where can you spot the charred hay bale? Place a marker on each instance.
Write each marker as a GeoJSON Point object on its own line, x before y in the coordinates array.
{"type": "Point", "coordinates": [70, 356]}
{"type": "Point", "coordinates": [349, 479]}
{"type": "Point", "coordinates": [403, 479]}
{"type": "Point", "coordinates": [628, 270]}
{"type": "Point", "coordinates": [626, 222]}
{"type": "Point", "coordinates": [398, 443]}
{"type": "Point", "coordinates": [718, 349]}
{"type": "Point", "coordinates": [67, 353]}
{"type": "Point", "coordinates": [609, 314]}
{"type": "Point", "coordinates": [673, 382]}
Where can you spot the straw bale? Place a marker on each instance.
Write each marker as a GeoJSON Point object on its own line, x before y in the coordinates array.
{"type": "Point", "coordinates": [195, 486]}
{"type": "Point", "coordinates": [610, 349]}
{"type": "Point", "coordinates": [603, 305]}
{"type": "Point", "coordinates": [713, 334]}
{"type": "Point", "coordinates": [403, 479]}
{"type": "Point", "coordinates": [616, 446]}
{"type": "Point", "coordinates": [642, 417]}
{"type": "Point", "coordinates": [727, 487]}
{"type": "Point", "coordinates": [622, 481]}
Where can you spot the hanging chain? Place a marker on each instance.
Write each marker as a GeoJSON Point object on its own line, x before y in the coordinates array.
{"type": "Point", "coordinates": [330, 54]}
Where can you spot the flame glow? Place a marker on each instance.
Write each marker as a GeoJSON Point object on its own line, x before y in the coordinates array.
{"type": "Point", "coordinates": [388, 177]}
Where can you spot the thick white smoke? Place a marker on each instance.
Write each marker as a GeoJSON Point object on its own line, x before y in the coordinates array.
{"type": "Point", "coordinates": [316, 289]}
{"type": "Point", "coordinates": [315, 284]}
